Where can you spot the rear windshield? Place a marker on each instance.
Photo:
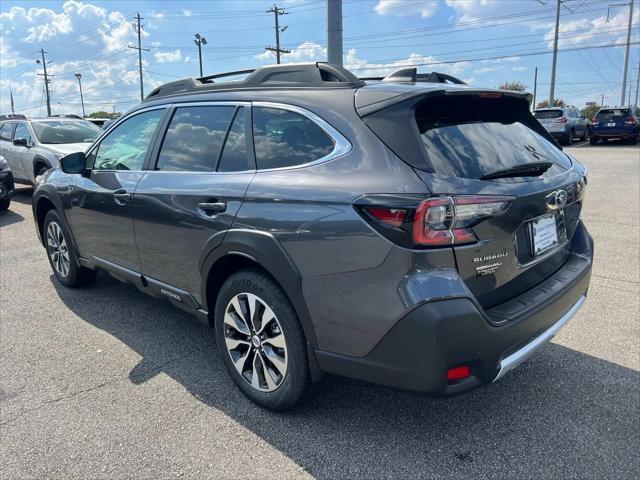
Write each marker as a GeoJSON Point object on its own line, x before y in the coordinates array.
{"type": "Point", "coordinates": [51, 131]}
{"type": "Point", "coordinates": [469, 137]}
{"type": "Point", "coordinates": [542, 114]}
{"type": "Point", "coordinates": [613, 113]}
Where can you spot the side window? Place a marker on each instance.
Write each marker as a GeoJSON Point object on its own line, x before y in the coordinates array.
{"type": "Point", "coordinates": [125, 147]}
{"type": "Point", "coordinates": [234, 156]}
{"type": "Point", "coordinates": [194, 138]}
{"type": "Point", "coordinates": [22, 131]}
{"type": "Point", "coordinates": [6, 132]}
{"type": "Point", "coordinates": [284, 139]}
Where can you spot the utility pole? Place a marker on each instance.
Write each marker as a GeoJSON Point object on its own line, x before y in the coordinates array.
{"type": "Point", "coordinates": [79, 77]}
{"type": "Point", "coordinates": [535, 88]}
{"type": "Point", "coordinates": [637, 85]}
{"type": "Point", "coordinates": [626, 55]}
{"type": "Point", "coordinates": [334, 31]}
{"type": "Point", "coordinates": [138, 28]}
{"type": "Point", "coordinates": [602, 101]}
{"type": "Point", "coordinates": [199, 41]}
{"type": "Point", "coordinates": [46, 81]}
{"type": "Point", "coordinates": [555, 55]}
{"type": "Point", "coordinates": [277, 50]}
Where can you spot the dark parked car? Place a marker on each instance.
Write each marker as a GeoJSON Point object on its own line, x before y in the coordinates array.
{"type": "Point", "coordinates": [6, 184]}
{"type": "Point", "coordinates": [621, 123]}
{"type": "Point", "coordinates": [410, 231]}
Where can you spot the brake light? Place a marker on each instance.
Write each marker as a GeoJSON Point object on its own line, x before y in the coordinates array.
{"type": "Point", "coordinates": [595, 121]}
{"type": "Point", "coordinates": [389, 216]}
{"type": "Point", "coordinates": [443, 221]}
{"type": "Point", "coordinates": [630, 121]}
{"type": "Point", "coordinates": [561, 120]}
{"type": "Point", "coordinates": [458, 373]}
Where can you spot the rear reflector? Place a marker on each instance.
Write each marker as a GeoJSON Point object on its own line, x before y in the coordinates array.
{"type": "Point", "coordinates": [458, 373]}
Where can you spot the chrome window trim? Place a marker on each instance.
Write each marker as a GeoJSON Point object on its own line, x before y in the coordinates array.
{"type": "Point", "coordinates": [341, 147]}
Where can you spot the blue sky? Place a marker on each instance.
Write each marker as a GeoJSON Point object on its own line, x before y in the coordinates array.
{"type": "Point", "coordinates": [465, 38]}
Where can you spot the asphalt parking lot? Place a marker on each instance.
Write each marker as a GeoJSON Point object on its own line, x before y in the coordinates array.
{"type": "Point", "coordinates": [105, 382]}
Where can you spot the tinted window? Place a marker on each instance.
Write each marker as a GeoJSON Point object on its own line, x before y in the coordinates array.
{"type": "Point", "coordinates": [234, 156]}
{"type": "Point", "coordinates": [125, 147]}
{"type": "Point", "coordinates": [22, 131]}
{"type": "Point", "coordinates": [5, 132]}
{"type": "Point", "coordinates": [56, 131]}
{"type": "Point", "coordinates": [284, 139]}
{"type": "Point", "coordinates": [485, 137]}
{"type": "Point", "coordinates": [613, 113]}
{"type": "Point", "coordinates": [542, 114]}
{"type": "Point", "coordinates": [194, 138]}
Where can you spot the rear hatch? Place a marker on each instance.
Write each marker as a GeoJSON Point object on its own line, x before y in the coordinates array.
{"type": "Point", "coordinates": [611, 120]}
{"type": "Point", "coordinates": [515, 195]}
{"type": "Point", "coordinates": [551, 119]}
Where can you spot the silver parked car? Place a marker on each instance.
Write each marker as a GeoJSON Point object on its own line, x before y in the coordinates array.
{"type": "Point", "coordinates": [32, 146]}
{"type": "Point", "coordinates": [564, 123]}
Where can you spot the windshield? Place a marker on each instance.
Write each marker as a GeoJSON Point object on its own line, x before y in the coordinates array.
{"type": "Point", "coordinates": [611, 113]}
{"type": "Point", "coordinates": [542, 114]}
{"type": "Point", "coordinates": [470, 138]}
{"type": "Point", "coordinates": [54, 132]}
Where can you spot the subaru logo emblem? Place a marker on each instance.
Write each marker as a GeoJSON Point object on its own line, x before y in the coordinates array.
{"type": "Point", "coordinates": [557, 199]}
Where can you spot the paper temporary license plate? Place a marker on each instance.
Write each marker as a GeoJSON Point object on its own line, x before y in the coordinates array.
{"type": "Point", "coordinates": [544, 233]}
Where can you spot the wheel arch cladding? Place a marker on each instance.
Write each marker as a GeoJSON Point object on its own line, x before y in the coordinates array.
{"type": "Point", "coordinates": [248, 248]}
{"type": "Point", "coordinates": [40, 161]}
{"type": "Point", "coordinates": [42, 207]}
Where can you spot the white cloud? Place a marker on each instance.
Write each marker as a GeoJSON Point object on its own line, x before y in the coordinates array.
{"type": "Point", "coordinates": [186, 12]}
{"type": "Point", "coordinates": [168, 57]}
{"type": "Point", "coordinates": [519, 69]}
{"type": "Point", "coordinates": [482, 70]}
{"type": "Point", "coordinates": [305, 52]}
{"type": "Point", "coordinates": [404, 8]}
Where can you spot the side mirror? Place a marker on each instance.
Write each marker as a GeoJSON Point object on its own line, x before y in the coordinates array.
{"type": "Point", "coordinates": [74, 163]}
{"type": "Point", "coordinates": [20, 142]}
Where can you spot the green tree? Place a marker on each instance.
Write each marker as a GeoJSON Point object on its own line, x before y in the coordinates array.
{"type": "Point", "coordinates": [590, 111]}
{"type": "Point", "coordinates": [515, 86]}
{"type": "Point", "coordinates": [558, 102]}
{"type": "Point", "coordinates": [103, 114]}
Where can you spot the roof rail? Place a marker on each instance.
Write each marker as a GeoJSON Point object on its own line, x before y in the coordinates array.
{"type": "Point", "coordinates": [9, 116]}
{"type": "Point", "coordinates": [411, 75]}
{"type": "Point", "coordinates": [68, 115]}
{"type": "Point", "coordinates": [301, 75]}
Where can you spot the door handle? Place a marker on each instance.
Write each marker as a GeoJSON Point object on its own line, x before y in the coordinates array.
{"type": "Point", "coordinates": [212, 208]}
{"type": "Point", "coordinates": [121, 197]}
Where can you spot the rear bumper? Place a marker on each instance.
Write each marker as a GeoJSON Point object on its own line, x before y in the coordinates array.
{"type": "Point", "coordinates": [7, 189]}
{"type": "Point", "coordinates": [438, 335]}
{"type": "Point", "coordinates": [614, 133]}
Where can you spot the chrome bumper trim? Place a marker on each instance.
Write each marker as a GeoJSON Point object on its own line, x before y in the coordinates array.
{"type": "Point", "coordinates": [516, 358]}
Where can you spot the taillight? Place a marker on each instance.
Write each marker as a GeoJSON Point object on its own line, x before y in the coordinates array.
{"type": "Point", "coordinates": [561, 120]}
{"type": "Point", "coordinates": [595, 121]}
{"type": "Point", "coordinates": [630, 121]}
{"type": "Point", "coordinates": [432, 222]}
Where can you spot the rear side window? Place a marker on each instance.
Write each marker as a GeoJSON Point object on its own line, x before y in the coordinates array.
{"type": "Point", "coordinates": [614, 113]}
{"type": "Point", "coordinates": [542, 114]}
{"type": "Point", "coordinates": [469, 138]}
{"type": "Point", "coordinates": [285, 139]}
{"type": "Point", "coordinates": [194, 138]}
{"type": "Point", "coordinates": [234, 156]}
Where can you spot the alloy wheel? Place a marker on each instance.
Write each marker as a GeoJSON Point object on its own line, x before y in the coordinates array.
{"type": "Point", "coordinates": [57, 249]}
{"type": "Point", "coordinates": [255, 342]}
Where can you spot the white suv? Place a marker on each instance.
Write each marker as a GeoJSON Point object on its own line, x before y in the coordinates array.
{"type": "Point", "coordinates": [564, 123]}
{"type": "Point", "coordinates": [32, 146]}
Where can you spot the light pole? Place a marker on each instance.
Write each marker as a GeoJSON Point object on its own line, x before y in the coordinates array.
{"type": "Point", "coordinates": [79, 77]}
{"type": "Point", "coordinates": [199, 41]}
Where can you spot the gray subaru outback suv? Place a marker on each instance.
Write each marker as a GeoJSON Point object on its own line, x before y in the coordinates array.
{"type": "Point", "coordinates": [410, 231]}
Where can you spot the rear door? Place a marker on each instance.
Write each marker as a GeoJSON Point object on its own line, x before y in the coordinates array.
{"type": "Point", "coordinates": [191, 193]}
{"type": "Point", "coordinates": [7, 150]}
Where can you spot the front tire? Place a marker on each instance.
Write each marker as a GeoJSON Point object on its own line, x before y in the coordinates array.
{"type": "Point", "coordinates": [4, 204]}
{"type": "Point", "coordinates": [61, 253]}
{"type": "Point", "coordinates": [569, 138]}
{"type": "Point", "coordinates": [261, 341]}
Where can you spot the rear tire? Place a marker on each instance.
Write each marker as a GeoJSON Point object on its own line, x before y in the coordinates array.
{"type": "Point", "coordinates": [262, 346]}
{"type": "Point", "coordinates": [569, 139]}
{"type": "Point", "coordinates": [586, 134]}
{"type": "Point", "coordinates": [4, 204]}
{"type": "Point", "coordinates": [61, 253]}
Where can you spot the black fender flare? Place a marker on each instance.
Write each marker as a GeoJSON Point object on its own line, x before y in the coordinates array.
{"type": "Point", "coordinates": [265, 250]}
{"type": "Point", "coordinates": [39, 159]}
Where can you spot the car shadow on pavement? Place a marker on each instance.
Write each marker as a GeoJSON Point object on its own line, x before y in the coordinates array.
{"type": "Point", "coordinates": [9, 217]}
{"type": "Point", "coordinates": [562, 414]}
{"type": "Point", "coordinates": [23, 195]}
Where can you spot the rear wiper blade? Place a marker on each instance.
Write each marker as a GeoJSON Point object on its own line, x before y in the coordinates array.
{"type": "Point", "coordinates": [533, 169]}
